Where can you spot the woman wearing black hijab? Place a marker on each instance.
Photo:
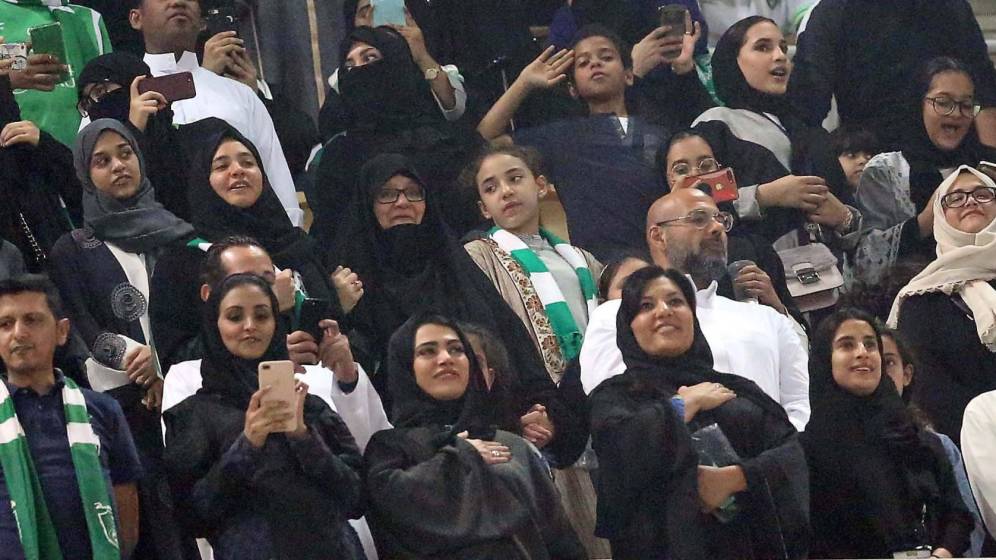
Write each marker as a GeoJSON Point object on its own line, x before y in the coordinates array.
{"type": "Point", "coordinates": [104, 89]}
{"type": "Point", "coordinates": [387, 106]}
{"type": "Point", "coordinates": [409, 261]}
{"type": "Point", "coordinates": [254, 491]}
{"type": "Point", "coordinates": [499, 500]}
{"type": "Point", "coordinates": [229, 195]}
{"type": "Point", "coordinates": [896, 187]}
{"type": "Point", "coordinates": [648, 503]}
{"type": "Point", "coordinates": [751, 72]}
{"type": "Point", "coordinates": [880, 485]}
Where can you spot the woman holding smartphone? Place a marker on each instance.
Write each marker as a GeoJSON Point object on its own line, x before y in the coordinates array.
{"type": "Point", "coordinates": [253, 491]}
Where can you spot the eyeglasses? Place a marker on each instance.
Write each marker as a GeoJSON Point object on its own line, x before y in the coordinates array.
{"type": "Point", "coordinates": [700, 219]}
{"type": "Point", "coordinates": [96, 93]}
{"type": "Point", "coordinates": [390, 196]}
{"type": "Point", "coordinates": [945, 106]}
{"type": "Point", "coordinates": [957, 199]}
{"type": "Point", "coordinates": [705, 165]}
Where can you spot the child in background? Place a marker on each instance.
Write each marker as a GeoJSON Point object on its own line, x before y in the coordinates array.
{"type": "Point", "coordinates": [854, 146]}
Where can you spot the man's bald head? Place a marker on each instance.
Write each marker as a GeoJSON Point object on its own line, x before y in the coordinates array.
{"type": "Point", "coordinates": [676, 204]}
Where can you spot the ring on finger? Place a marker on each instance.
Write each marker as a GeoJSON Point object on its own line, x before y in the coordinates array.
{"type": "Point", "coordinates": [495, 453]}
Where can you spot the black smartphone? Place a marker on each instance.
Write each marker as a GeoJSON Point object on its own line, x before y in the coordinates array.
{"type": "Point", "coordinates": [676, 17]}
{"type": "Point", "coordinates": [311, 313]}
{"type": "Point", "coordinates": [220, 18]}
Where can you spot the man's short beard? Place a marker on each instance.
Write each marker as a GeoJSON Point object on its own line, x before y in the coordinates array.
{"type": "Point", "coordinates": [703, 267]}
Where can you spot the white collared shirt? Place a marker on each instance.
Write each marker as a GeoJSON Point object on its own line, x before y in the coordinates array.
{"type": "Point", "coordinates": [749, 340]}
{"type": "Point", "coordinates": [236, 104]}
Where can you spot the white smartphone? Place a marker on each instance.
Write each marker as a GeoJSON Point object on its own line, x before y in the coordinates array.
{"type": "Point", "coordinates": [280, 375]}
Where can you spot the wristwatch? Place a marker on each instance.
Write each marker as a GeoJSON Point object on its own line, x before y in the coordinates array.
{"type": "Point", "coordinates": [432, 73]}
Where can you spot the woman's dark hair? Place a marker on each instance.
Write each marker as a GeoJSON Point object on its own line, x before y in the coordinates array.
{"type": "Point", "coordinates": [906, 354]}
{"type": "Point", "coordinates": [852, 139]}
{"type": "Point", "coordinates": [729, 78]}
{"type": "Point", "coordinates": [612, 269]}
{"type": "Point", "coordinates": [501, 391]}
{"type": "Point", "coordinates": [598, 30]}
{"type": "Point", "coordinates": [528, 155]}
{"type": "Point", "coordinates": [632, 291]}
{"type": "Point", "coordinates": [229, 283]}
{"type": "Point", "coordinates": [930, 70]}
{"type": "Point", "coordinates": [821, 381]}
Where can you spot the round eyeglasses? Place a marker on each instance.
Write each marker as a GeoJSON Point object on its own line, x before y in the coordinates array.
{"type": "Point", "coordinates": [700, 219]}
{"type": "Point", "coordinates": [945, 106]}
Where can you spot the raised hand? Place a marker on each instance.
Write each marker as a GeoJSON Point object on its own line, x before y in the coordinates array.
{"type": "Point", "coordinates": [143, 106]}
{"type": "Point", "coordinates": [548, 70]}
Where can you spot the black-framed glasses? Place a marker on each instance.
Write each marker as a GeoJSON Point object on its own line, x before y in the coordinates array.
{"type": "Point", "coordinates": [945, 106]}
{"type": "Point", "coordinates": [700, 219]}
{"type": "Point", "coordinates": [390, 196]}
{"type": "Point", "coordinates": [957, 199]}
{"type": "Point", "coordinates": [705, 165]}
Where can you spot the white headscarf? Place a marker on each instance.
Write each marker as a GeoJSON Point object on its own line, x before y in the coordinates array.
{"type": "Point", "coordinates": [965, 263]}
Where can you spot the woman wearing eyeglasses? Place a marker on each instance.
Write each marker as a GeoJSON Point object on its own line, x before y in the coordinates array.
{"type": "Point", "coordinates": [408, 260]}
{"type": "Point", "coordinates": [948, 311]}
{"type": "Point", "coordinates": [895, 190]}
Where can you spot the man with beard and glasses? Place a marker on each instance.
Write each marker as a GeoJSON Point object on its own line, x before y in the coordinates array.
{"type": "Point", "coordinates": [687, 232]}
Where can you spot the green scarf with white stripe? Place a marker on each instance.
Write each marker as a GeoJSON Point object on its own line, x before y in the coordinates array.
{"type": "Point", "coordinates": [38, 536]}
{"type": "Point", "coordinates": [569, 336]}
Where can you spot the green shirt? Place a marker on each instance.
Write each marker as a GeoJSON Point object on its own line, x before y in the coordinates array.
{"type": "Point", "coordinates": [85, 38]}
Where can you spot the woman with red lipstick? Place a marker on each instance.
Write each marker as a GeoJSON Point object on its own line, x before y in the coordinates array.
{"type": "Point", "coordinates": [879, 484]}
{"type": "Point", "coordinates": [452, 480]}
{"type": "Point", "coordinates": [947, 311]}
{"type": "Point", "coordinates": [895, 190]}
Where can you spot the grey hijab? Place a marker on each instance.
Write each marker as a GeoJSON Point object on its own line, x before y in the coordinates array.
{"type": "Point", "coordinates": [138, 224]}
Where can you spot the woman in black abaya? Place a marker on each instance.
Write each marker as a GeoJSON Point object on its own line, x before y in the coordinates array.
{"type": "Point", "coordinates": [176, 289]}
{"type": "Point", "coordinates": [880, 485]}
{"type": "Point", "coordinates": [650, 487]}
{"type": "Point", "coordinates": [419, 265]}
{"type": "Point", "coordinates": [499, 500]}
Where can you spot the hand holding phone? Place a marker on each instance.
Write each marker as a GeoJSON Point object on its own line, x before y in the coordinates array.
{"type": "Point", "coordinates": [676, 17]}
{"type": "Point", "coordinates": [388, 12]}
{"type": "Point", "coordinates": [721, 184]}
{"type": "Point", "coordinates": [311, 313]}
{"type": "Point", "coordinates": [277, 377]}
{"type": "Point", "coordinates": [173, 87]}
{"type": "Point", "coordinates": [47, 39]}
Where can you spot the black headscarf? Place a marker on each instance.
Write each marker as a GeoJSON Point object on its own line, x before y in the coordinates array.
{"type": "Point", "coordinates": [413, 407]}
{"type": "Point", "coordinates": [387, 95]}
{"type": "Point", "coordinates": [138, 224]}
{"type": "Point", "coordinates": [925, 159]}
{"type": "Point", "coordinates": [877, 427]}
{"type": "Point", "coordinates": [810, 149]}
{"type": "Point", "coordinates": [265, 221]}
{"type": "Point", "coordinates": [660, 377]}
{"type": "Point", "coordinates": [232, 378]}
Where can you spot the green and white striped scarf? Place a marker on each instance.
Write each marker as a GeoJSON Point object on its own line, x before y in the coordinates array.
{"type": "Point", "coordinates": [38, 536]}
{"type": "Point", "coordinates": [569, 336]}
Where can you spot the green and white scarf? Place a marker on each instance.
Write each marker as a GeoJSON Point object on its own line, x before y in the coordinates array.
{"type": "Point", "coordinates": [569, 336]}
{"type": "Point", "coordinates": [38, 536]}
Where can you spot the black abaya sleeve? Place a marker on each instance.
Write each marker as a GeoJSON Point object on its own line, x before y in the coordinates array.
{"type": "Point", "coordinates": [175, 305]}
{"type": "Point", "coordinates": [430, 502]}
{"type": "Point", "coordinates": [754, 165]}
{"type": "Point", "coordinates": [648, 503]}
{"type": "Point", "coordinates": [954, 523]}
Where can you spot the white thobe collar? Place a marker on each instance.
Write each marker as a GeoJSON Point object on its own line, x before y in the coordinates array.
{"type": "Point", "coordinates": [705, 296]}
{"type": "Point", "coordinates": [166, 63]}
